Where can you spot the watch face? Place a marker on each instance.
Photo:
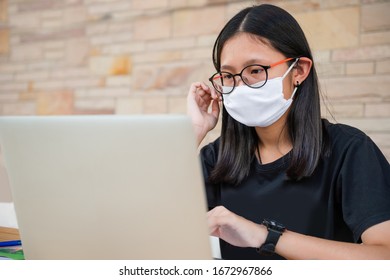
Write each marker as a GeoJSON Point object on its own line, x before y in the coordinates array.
{"type": "Point", "coordinates": [271, 224]}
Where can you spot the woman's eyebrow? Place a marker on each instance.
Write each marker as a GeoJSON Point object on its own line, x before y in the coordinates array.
{"type": "Point", "coordinates": [227, 67]}
{"type": "Point", "coordinates": [248, 62]}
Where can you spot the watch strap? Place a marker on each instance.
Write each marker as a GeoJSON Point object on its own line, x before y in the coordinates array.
{"type": "Point", "coordinates": [275, 230]}
{"type": "Point", "coordinates": [268, 248]}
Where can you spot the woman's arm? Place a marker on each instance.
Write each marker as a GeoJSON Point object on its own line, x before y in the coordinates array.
{"type": "Point", "coordinates": [375, 245]}
{"type": "Point", "coordinates": [291, 245]}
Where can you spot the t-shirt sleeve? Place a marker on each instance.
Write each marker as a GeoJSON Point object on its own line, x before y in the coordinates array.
{"type": "Point", "coordinates": [208, 158]}
{"type": "Point", "coordinates": [365, 186]}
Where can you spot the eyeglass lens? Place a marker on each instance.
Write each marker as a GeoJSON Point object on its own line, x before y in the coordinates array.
{"type": "Point", "coordinates": [253, 76]}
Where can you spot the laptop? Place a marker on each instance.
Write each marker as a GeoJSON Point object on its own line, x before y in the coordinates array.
{"type": "Point", "coordinates": [106, 187]}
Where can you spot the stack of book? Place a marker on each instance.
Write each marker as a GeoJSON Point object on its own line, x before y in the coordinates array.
{"type": "Point", "coordinates": [10, 244]}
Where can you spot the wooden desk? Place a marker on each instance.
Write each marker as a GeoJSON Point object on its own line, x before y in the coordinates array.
{"type": "Point", "coordinates": [9, 234]}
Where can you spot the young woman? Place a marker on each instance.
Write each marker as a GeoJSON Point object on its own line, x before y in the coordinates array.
{"type": "Point", "coordinates": [281, 182]}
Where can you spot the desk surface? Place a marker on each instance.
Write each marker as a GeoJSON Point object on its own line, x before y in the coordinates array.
{"type": "Point", "coordinates": [9, 234]}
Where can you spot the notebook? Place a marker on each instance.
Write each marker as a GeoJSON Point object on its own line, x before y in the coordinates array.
{"type": "Point", "coordinates": [106, 187]}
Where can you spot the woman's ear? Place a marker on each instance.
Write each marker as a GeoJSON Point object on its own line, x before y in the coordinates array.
{"type": "Point", "coordinates": [301, 70]}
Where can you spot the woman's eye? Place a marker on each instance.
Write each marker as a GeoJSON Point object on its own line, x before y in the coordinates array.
{"type": "Point", "coordinates": [227, 76]}
{"type": "Point", "coordinates": [256, 71]}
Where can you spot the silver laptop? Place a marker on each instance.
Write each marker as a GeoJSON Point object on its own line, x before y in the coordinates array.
{"type": "Point", "coordinates": [106, 187]}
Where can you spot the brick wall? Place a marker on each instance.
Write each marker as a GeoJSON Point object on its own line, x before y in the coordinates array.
{"type": "Point", "coordinates": [140, 56]}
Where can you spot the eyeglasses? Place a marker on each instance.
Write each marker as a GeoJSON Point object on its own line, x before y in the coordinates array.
{"type": "Point", "coordinates": [254, 76]}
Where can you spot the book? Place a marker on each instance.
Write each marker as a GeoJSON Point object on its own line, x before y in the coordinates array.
{"type": "Point", "coordinates": [11, 253]}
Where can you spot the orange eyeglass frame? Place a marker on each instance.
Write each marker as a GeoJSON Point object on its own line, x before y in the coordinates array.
{"type": "Point", "coordinates": [264, 66]}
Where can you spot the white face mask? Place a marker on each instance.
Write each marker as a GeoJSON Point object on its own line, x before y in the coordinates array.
{"type": "Point", "coordinates": [258, 106]}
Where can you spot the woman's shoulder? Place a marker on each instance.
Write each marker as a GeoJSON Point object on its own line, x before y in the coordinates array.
{"type": "Point", "coordinates": [345, 139]}
{"type": "Point", "coordinates": [343, 133]}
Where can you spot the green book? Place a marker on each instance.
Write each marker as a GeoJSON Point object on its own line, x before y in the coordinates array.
{"type": "Point", "coordinates": [11, 253]}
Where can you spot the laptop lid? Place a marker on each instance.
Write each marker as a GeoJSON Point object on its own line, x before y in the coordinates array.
{"type": "Point", "coordinates": [106, 187]}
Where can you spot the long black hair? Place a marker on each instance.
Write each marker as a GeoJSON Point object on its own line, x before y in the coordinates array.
{"type": "Point", "coordinates": [238, 142]}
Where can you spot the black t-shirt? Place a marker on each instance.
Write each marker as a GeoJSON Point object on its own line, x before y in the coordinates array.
{"type": "Point", "coordinates": [348, 192]}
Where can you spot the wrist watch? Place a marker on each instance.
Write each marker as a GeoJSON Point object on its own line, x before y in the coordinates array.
{"type": "Point", "coordinates": [275, 230]}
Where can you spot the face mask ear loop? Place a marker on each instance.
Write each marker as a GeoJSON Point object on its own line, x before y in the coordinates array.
{"type": "Point", "coordinates": [289, 69]}
{"type": "Point", "coordinates": [293, 93]}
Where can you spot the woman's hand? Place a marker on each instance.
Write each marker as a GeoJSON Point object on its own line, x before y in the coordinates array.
{"type": "Point", "coordinates": [199, 100]}
{"type": "Point", "coordinates": [235, 229]}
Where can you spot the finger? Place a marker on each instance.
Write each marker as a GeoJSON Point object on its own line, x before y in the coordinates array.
{"type": "Point", "coordinates": [219, 96]}
{"type": "Point", "coordinates": [203, 93]}
{"type": "Point", "coordinates": [215, 109]}
{"type": "Point", "coordinates": [203, 98]}
{"type": "Point", "coordinates": [205, 87]}
{"type": "Point", "coordinates": [198, 93]}
{"type": "Point", "coordinates": [194, 87]}
{"type": "Point", "coordinates": [214, 93]}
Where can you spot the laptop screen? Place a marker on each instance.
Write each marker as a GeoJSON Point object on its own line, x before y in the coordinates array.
{"type": "Point", "coordinates": [106, 187]}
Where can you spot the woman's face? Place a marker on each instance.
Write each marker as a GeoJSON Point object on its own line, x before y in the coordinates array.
{"type": "Point", "coordinates": [244, 49]}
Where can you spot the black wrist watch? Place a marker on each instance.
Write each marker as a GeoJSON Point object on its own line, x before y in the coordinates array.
{"type": "Point", "coordinates": [275, 230]}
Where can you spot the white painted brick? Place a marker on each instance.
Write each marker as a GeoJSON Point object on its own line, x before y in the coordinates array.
{"type": "Point", "coordinates": [364, 68]}
{"type": "Point", "coordinates": [12, 67]}
{"type": "Point", "coordinates": [362, 53]}
{"type": "Point", "coordinates": [51, 14]}
{"type": "Point", "coordinates": [105, 8]}
{"type": "Point", "coordinates": [25, 108]}
{"type": "Point", "coordinates": [177, 105]}
{"type": "Point", "coordinates": [197, 53]}
{"type": "Point", "coordinates": [163, 56]}
{"type": "Point", "coordinates": [321, 56]}
{"type": "Point", "coordinates": [6, 77]}
{"type": "Point", "coordinates": [368, 124]}
{"type": "Point", "coordinates": [375, 16]}
{"type": "Point", "coordinates": [95, 104]}
{"type": "Point", "coordinates": [129, 15]}
{"type": "Point", "coordinates": [383, 66]}
{"type": "Point", "coordinates": [54, 55]}
{"type": "Point", "coordinates": [49, 85]}
{"type": "Point", "coordinates": [41, 65]}
{"type": "Point", "coordinates": [342, 110]}
{"type": "Point", "coordinates": [375, 38]}
{"type": "Point", "coordinates": [123, 48]}
{"type": "Point", "coordinates": [330, 69]}
{"type": "Point", "coordinates": [25, 20]}
{"type": "Point", "coordinates": [129, 106]}
{"type": "Point", "coordinates": [10, 86]}
{"type": "Point", "coordinates": [145, 5]}
{"type": "Point", "coordinates": [171, 44]}
{"type": "Point", "coordinates": [96, 28]}
{"type": "Point", "coordinates": [206, 40]}
{"type": "Point", "coordinates": [64, 73]}
{"type": "Point", "coordinates": [26, 53]}
{"type": "Point", "coordinates": [378, 110]}
{"type": "Point", "coordinates": [373, 88]}
{"type": "Point", "coordinates": [52, 23]}
{"type": "Point", "coordinates": [8, 97]}
{"type": "Point", "coordinates": [155, 105]}
{"type": "Point", "coordinates": [54, 45]}
{"type": "Point", "coordinates": [77, 83]}
{"type": "Point", "coordinates": [103, 92]}
{"type": "Point", "coordinates": [14, 40]}
{"type": "Point", "coordinates": [115, 81]}
{"type": "Point", "coordinates": [32, 76]}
